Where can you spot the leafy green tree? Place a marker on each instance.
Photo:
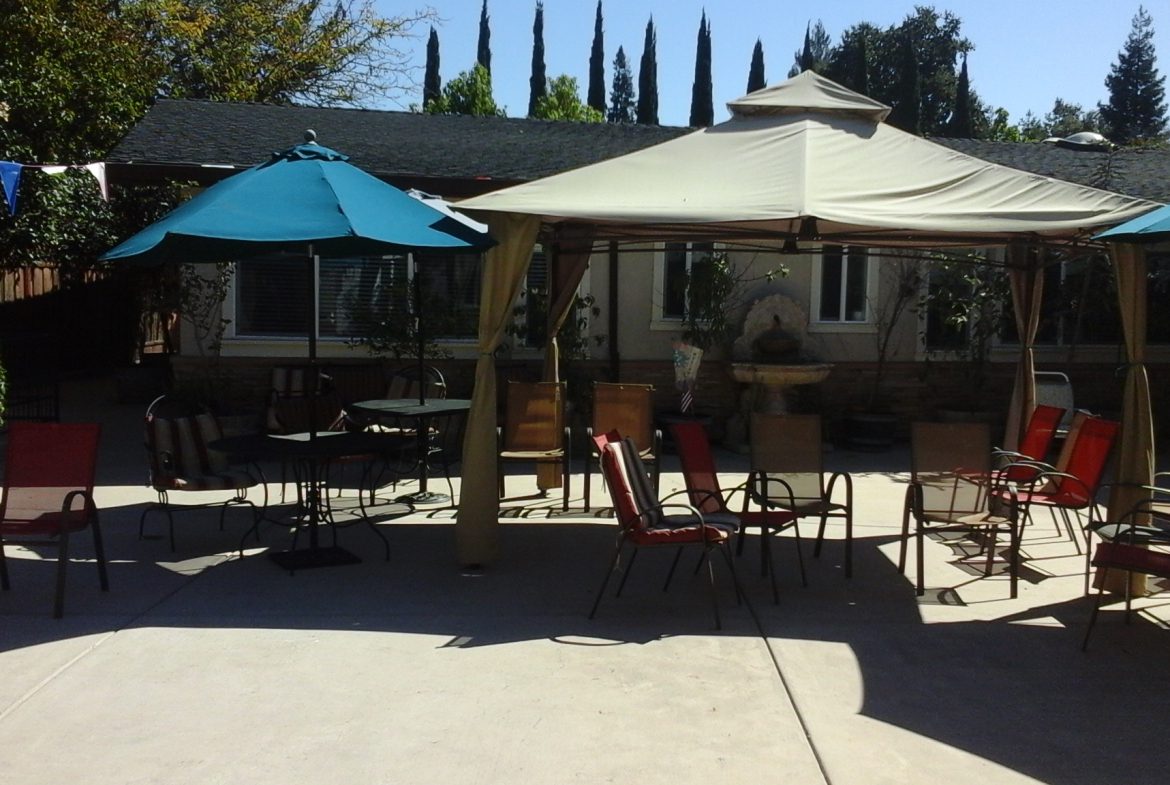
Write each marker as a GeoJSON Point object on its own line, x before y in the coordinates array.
{"type": "Point", "coordinates": [814, 55]}
{"type": "Point", "coordinates": [702, 99]}
{"type": "Point", "coordinates": [962, 125]}
{"type": "Point", "coordinates": [276, 51]}
{"type": "Point", "coordinates": [563, 103]}
{"type": "Point", "coordinates": [483, 51]}
{"type": "Point", "coordinates": [596, 92]}
{"type": "Point", "coordinates": [621, 98]}
{"type": "Point", "coordinates": [907, 110]}
{"type": "Point", "coordinates": [432, 84]}
{"type": "Point", "coordinates": [848, 63]}
{"type": "Point", "coordinates": [1136, 110]}
{"type": "Point", "coordinates": [538, 82]}
{"type": "Point", "coordinates": [937, 47]}
{"type": "Point", "coordinates": [468, 93]}
{"type": "Point", "coordinates": [73, 77]}
{"type": "Point", "coordinates": [756, 78]}
{"type": "Point", "coordinates": [1001, 129]}
{"type": "Point", "coordinates": [648, 78]}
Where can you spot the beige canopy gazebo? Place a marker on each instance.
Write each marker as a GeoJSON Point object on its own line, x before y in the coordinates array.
{"type": "Point", "coordinates": [806, 159]}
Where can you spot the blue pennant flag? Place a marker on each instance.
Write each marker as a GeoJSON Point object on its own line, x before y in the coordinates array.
{"type": "Point", "coordinates": [10, 176]}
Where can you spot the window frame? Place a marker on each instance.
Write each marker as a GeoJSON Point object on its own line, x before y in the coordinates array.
{"type": "Point", "coordinates": [872, 292]}
{"type": "Point", "coordinates": [659, 320]}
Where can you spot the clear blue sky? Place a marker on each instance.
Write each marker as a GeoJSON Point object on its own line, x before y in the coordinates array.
{"type": "Point", "coordinates": [1027, 52]}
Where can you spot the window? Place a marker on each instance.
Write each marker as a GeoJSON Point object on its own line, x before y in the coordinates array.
{"type": "Point", "coordinates": [843, 284]}
{"type": "Point", "coordinates": [678, 261]}
{"type": "Point", "coordinates": [354, 293]}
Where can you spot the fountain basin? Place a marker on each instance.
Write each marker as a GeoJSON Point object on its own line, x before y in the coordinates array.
{"type": "Point", "coordinates": [780, 375]}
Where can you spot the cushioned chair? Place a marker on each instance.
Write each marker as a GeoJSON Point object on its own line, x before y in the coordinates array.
{"type": "Point", "coordinates": [948, 492]}
{"type": "Point", "coordinates": [1071, 490]}
{"type": "Point", "coordinates": [49, 473]}
{"type": "Point", "coordinates": [534, 430]}
{"type": "Point", "coordinates": [789, 447]}
{"type": "Point", "coordinates": [706, 495]}
{"type": "Point", "coordinates": [1125, 555]}
{"type": "Point", "coordinates": [643, 521]}
{"type": "Point", "coordinates": [177, 439]}
{"type": "Point", "coordinates": [1013, 465]}
{"type": "Point", "coordinates": [629, 410]}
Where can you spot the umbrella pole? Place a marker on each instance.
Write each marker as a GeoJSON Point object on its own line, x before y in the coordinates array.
{"type": "Point", "coordinates": [314, 555]}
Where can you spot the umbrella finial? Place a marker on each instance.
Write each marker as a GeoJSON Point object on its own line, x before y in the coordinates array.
{"type": "Point", "coordinates": [310, 136]}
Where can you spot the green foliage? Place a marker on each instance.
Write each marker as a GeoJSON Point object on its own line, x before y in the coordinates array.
{"type": "Point", "coordinates": [530, 325]}
{"type": "Point", "coordinates": [73, 78]}
{"type": "Point", "coordinates": [432, 84]}
{"type": "Point", "coordinates": [393, 332]}
{"type": "Point", "coordinates": [1001, 129]}
{"type": "Point", "coordinates": [621, 99]}
{"type": "Point", "coordinates": [648, 78]}
{"type": "Point", "coordinates": [202, 291]}
{"type": "Point", "coordinates": [468, 93]}
{"type": "Point", "coordinates": [966, 303]}
{"type": "Point", "coordinates": [62, 219]}
{"type": "Point", "coordinates": [595, 96]}
{"type": "Point", "coordinates": [1136, 110]}
{"type": "Point", "coordinates": [907, 111]}
{"type": "Point", "coordinates": [538, 82]}
{"type": "Point", "coordinates": [962, 125]}
{"type": "Point", "coordinates": [563, 103]}
{"type": "Point", "coordinates": [276, 51]}
{"type": "Point", "coordinates": [816, 51]}
{"type": "Point", "coordinates": [702, 99]}
{"type": "Point", "coordinates": [715, 290]}
{"type": "Point", "coordinates": [756, 78]}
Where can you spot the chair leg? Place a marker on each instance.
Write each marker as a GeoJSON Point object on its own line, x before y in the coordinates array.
{"type": "Point", "coordinates": [565, 474]}
{"type": "Point", "coordinates": [849, 542]}
{"type": "Point", "coordinates": [617, 552]}
{"type": "Point", "coordinates": [1014, 561]}
{"type": "Point", "coordinates": [99, 552]}
{"type": "Point", "coordinates": [800, 555]}
{"type": "Point", "coordinates": [1096, 609]}
{"type": "Point", "coordinates": [905, 538]}
{"type": "Point", "coordinates": [62, 563]}
{"type": "Point", "coordinates": [4, 584]}
{"type": "Point", "coordinates": [820, 536]}
{"type": "Point", "coordinates": [673, 564]}
{"type": "Point", "coordinates": [588, 475]}
{"type": "Point", "coordinates": [919, 538]}
{"type": "Point", "coordinates": [714, 594]}
{"type": "Point", "coordinates": [766, 563]}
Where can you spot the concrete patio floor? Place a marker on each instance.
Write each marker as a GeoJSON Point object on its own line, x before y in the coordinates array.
{"type": "Point", "coordinates": [202, 667]}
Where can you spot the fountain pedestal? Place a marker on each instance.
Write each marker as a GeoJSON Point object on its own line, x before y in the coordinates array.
{"type": "Point", "coordinates": [767, 386]}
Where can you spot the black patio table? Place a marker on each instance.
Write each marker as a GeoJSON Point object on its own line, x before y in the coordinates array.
{"type": "Point", "coordinates": [382, 409]}
{"type": "Point", "coordinates": [313, 453]}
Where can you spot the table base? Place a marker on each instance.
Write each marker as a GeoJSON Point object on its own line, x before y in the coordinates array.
{"type": "Point", "coordinates": [424, 497]}
{"type": "Point", "coordinates": [306, 558]}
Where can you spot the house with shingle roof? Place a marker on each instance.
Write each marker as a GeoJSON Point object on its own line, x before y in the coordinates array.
{"type": "Point", "coordinates": [460, 156]}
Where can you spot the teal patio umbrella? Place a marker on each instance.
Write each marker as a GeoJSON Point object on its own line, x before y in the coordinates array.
{"type": "Point", "coordinates": [1151, 227]}
{"type": "Point", "coordinates": [307, 202]}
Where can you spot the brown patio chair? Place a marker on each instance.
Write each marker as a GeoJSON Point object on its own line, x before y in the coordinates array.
{"type": "Point", "coordinates": [629, 410]}
{"type": "Point", "coordinates": [950, 464]}
{"type": "Point", "coordinates": [49, 471]}
{"type": "Point", "coordinates": [534, 430]}
{"type": "Point", "coordinates": [177, 437]}
{"type": "Point", "coordinates": [789, 447]}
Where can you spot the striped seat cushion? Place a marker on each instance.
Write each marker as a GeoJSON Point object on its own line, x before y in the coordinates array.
{"type": "Point", "coordinates": [180, 459]}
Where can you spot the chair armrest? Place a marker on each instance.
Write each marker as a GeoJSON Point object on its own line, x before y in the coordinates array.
{"type": "Point", "coordinates": [760, 493]}
{"type": "Point", "coordinates": [847, 479]}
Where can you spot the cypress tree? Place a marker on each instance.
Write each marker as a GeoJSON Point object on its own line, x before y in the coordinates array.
{"type": "Point", "coordinates": [961, 125]}
{"type": "Point", "coordinates": [432, 85]}
{"type": "Point", "coordinates": [756, 80]}
{"type": "Point", "coordinates": [806, 54]}
{"type": "Point", "coordinates": [537, 83]}
{"type": "Point", "coordinates": [596, 94]}
{"type": "Point", "coordinates": [1136, 109]}
{"type": "Point", "coordinates": [648, 78]}
{"type": "Point", "coordinates": [702, 102]}
{"type": "Point", "coordinates": [621, 100]}
{"type": "Point", "coordinates": [483, 54]}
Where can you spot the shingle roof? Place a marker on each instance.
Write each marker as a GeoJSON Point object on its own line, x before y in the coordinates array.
{"type": "Point", "coordinates": [405, 145]}
{"type": "Point", "coordinates": [389, 144]}
{"type": "Point", "coordinates": [1137, 172]}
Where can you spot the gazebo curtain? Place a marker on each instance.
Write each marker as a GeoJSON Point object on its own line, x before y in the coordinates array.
{"type": "Point", "coordinates": [1135, 450]}
{"type": "Point", "coordinates": [477, 520]}
{"type": "Point", "coordinates": [1025, 272]}
{"type": "Point", "coordinates": [568, 261]}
